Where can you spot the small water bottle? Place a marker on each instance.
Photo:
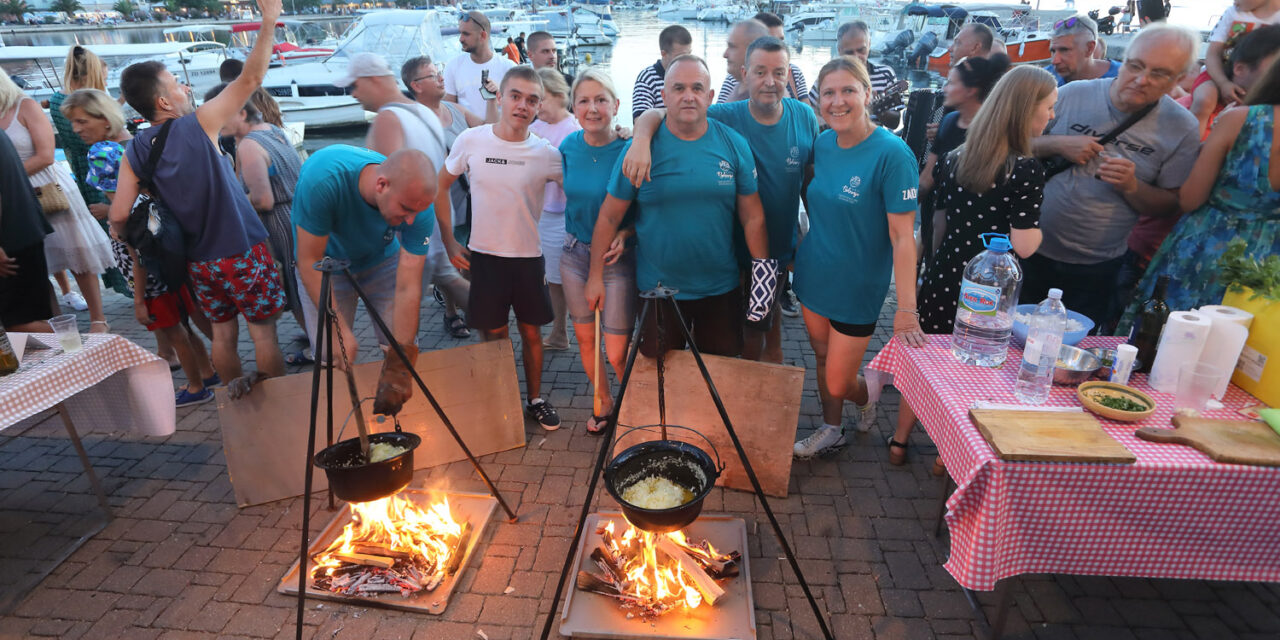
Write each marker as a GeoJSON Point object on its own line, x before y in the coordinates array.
{"type": "Point", "coordinates": [1044, 340]}
{"type": "Point", "coordinates": [984, 313]}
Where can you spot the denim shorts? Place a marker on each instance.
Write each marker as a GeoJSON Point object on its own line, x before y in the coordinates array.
{"type": "Point", "coordinates": [619, 314]}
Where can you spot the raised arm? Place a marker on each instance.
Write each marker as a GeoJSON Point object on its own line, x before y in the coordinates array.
{"type": "Point", "coordinates": [216, 112]}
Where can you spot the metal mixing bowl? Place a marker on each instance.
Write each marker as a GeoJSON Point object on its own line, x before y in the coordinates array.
{"type": "Point", "coordinates": [1075, 365]}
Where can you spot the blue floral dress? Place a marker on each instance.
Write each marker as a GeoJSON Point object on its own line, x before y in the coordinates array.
{"type": "Point", "coordinates": [103, 174]}
{"type": "Point", "coordinates": [1243, 204]}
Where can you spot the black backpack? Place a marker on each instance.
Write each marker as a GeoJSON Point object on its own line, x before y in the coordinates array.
{"type": "Point", "coordinates": [152, 229]}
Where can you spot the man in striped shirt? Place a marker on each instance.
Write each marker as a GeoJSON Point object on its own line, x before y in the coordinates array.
{"type": "Point", "coordinates": [854, 39]}
{"type": "Point", "coordinates": [673, 42]}
{"type": "Point", "coordinates": [797, 87]}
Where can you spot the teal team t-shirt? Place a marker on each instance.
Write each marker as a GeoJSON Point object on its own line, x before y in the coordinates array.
{"type": "Point", "coordinates": [686, 213]}
{"type": "Point", "coordinates": [327, 202]}
{"type": "Point", "coordinates": [844, 263]}
{"type": "Point", "coordinates": [587, 170]}
{"type": "Point", "coordinates": [781, 151]}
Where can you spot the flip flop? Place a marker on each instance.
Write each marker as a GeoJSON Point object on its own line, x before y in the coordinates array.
{"type": "Point", "coordinates": [596, 425]}
{"type": "Point", "coordinates": [457, 327]}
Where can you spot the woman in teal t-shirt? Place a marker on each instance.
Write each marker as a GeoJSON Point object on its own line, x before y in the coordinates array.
{"type": "Point", "coordinates": [861, 205]}
{"type": "Point", "coordinates": [589, 156]}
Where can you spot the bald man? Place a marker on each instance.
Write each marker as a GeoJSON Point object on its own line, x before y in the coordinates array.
{"type": "Point", "coordinates": [735, 56]}
{"type": "Point", "coordinates": [375, 211]}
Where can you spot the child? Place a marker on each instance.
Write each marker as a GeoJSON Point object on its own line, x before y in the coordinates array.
{"type": "Point", "coordinates": [1236, 21]}
{"type": "Point", "coordinates": [1250, 58]}
{"type": "Point", "coordinates": [163, 312]}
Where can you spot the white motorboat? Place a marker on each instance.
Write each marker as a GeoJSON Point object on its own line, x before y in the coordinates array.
{"type": "Point", "coordinates": [288, 48]}
{"type": "Point", "coordinates": [306, 92]}
{"type": "Point", "coordinates": [193, 63]}
{"type": "Point", "coordinates": [678, 10]}
{"type": "Point", "coordinates": [724, 13]}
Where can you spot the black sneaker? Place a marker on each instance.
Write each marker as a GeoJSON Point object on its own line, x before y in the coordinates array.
{"type": "Point", "coordinates": [438, 295]}
{"type": "Point", "coordinates": [790, 307]}
{"type": "Point", "coordinates": [544, 413]}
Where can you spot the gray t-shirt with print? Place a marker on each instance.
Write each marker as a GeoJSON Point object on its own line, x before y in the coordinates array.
{"type": "Point", "coordinates": [1086, 220]}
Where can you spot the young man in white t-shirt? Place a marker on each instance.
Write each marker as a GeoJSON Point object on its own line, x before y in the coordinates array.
{"type": "Point", "coordinates": [462, 76]}
{"type": "Point", "coordinates": [509, 169]}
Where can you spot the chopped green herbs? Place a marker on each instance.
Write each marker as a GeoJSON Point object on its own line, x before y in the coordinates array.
{"type": "Point", "coordinates": [1119, 403]}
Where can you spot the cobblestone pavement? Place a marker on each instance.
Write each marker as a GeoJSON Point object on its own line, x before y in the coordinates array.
{"type": "Point", "coordinates": [181, 561]}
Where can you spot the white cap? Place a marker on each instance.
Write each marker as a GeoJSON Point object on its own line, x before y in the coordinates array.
{"type": "Point", "coordinates": [364, 65]}
{"type": "Point", "coordinates": [1126, 348]}
{"type": "Point", "coordinates": [1056, 294]}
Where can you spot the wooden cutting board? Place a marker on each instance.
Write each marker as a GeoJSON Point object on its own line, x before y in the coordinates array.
{"type": "Point", "coordinates": [1229, 441]}
{"type": "Point", "coordinates": [1048, 436]}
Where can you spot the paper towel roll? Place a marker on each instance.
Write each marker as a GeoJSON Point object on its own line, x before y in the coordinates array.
{"type": "Point", "coordinates": [1222, 348]}
{"type": "Point", "coordinates": [1238, 316]}
{"type": "Point", "coordinates": [1181, 342]}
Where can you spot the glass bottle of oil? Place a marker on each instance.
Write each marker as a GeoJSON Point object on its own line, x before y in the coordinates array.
{"type": "Point", "coordinates": [8, 359]}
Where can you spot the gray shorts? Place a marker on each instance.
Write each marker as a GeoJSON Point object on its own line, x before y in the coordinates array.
{"type": "Point", "coordinates": [619, 314]}
{"type": "Point", "coordinates": [378, 282]}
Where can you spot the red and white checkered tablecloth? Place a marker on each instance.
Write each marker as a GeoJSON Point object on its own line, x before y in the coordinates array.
{"type": "Point", "coordinates": [111, 383]}
{"type": "Point", "coordinates": [1173, 514]}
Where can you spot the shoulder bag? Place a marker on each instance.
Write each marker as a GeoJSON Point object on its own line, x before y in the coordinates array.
{"type": "Point", "coordinates": [152, 229]}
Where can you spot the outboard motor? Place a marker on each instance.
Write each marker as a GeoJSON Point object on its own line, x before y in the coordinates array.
{"type": "Point", "coordinates": [920, 57]}
{"type": "Point", "coordinates": [898, 46]}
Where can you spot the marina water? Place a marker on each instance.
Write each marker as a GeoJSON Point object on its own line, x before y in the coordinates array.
{"type": "Point", "coordinates": [988, 294]}
{"type": "Point", "coordinates": [1044, 340]}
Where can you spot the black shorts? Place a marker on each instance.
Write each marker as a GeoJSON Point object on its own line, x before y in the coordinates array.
{"type": "Point", "coordinates": [715, 323]}
{"type": "Point", "coordinates": [27, 296]}
{"type": "Point", "coordinates": [853, 330]}
{"type": "Point", "coordinates": [500, 284]}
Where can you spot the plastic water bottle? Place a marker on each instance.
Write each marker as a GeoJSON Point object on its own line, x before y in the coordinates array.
{"type": "Point", "coordinates": [1044, 340]}
{"type": "Point", "coordinates": [988, 294]}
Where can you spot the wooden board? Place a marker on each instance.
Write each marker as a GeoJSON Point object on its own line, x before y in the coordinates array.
{"type": "Point", "coordinates": [1228, 441]}
{"type": "Point", "coordinates": [1048, 436]}
{"type": "Point", "coordinates": [763, 401]}
{"type": "Point", "coordinates": [264, 434]}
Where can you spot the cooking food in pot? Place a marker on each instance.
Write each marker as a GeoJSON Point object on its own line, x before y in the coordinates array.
{"type": "Point", "coordinates": [384, 451]}
{"type": "Point", "coordinates": [656, 492]}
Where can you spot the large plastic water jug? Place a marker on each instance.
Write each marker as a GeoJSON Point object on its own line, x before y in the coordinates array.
{"type": "Point", "coordinates": [988, 293]}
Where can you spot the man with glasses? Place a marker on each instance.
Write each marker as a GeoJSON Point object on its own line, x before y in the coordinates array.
{"type": "Point", "coordinates": [1072, 48]}
{"type": "Point", "coordinates": [463, 74]}
{"type": "Point", "coordinates": [1090, 208]}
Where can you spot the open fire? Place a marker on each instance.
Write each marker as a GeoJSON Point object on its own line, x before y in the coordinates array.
{"type": "Point", "coordinates": [651, 575]}
{"type": "Point", "coordinates": [393, 545]}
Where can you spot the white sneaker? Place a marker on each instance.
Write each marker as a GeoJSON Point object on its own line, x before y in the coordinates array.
{"type": "Point", "coordinates": [827, 438]}
{"type": "Point", "coordinates": [866, 417]}
{"type": "Point", "coordinates": [74, 300]}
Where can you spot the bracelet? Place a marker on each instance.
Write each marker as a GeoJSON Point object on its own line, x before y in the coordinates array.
{"type": "Point", "coordinates": [910, 311]}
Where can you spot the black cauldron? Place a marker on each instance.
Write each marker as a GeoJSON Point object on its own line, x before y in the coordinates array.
{"type": "Point", "coordinates": [680, 462]}
{"type": "Point", "coordinates": [355, 481]}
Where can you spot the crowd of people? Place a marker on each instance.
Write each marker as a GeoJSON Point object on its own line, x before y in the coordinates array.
{"type": "Point", "coordinates": [509, 187]}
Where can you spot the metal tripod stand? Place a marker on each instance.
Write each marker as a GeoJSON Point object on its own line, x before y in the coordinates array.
{"type": "Point", "coordinates": [652, 298]}
{"type": "Point", "coordinates": [324, 332]}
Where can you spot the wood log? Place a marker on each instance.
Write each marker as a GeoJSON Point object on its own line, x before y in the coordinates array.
{"type": "Point", "coordinates": [372, 549]}
{"type": "Point", "coordinates": [603, 557]}
{"type": "Point", "coordinates": [588, 581]}
{"type": "Point", "coordinates": [382, 562]}
{"type": "Point", "coordinates": [704, 583]}
{"type": "Point", "coordinates": [460, 550]}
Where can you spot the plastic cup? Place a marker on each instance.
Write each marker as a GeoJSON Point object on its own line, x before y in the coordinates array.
{"type": "Point", "coordinates": [67, 331]}
{"type": "Point", "coordinates": [1196, 382]}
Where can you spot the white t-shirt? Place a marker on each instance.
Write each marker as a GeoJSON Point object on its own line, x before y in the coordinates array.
{"type": "Point", "coordinates": [462, 78]}
{"type": "Point", "coordinates": [508, 180]}
{"type": "Point", "coordinates": [422, 131]}
{"type": "Point", "coordinates": [1234, 24]}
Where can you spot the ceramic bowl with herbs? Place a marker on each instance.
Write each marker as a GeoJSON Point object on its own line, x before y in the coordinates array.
{"type": "Point", "coordinates": [1116, 401]}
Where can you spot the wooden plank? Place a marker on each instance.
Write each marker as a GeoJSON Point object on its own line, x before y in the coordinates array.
{"type": "Point", "coordinates": [1051, 436]}
{"type": "Point", "coordinates": [381, 562]}
{"type": "Point", "coordinates": [763, 401]}
{"type": "Point", "coordinates": [1226, 441]}
{"type": "Point", "coordinates": [264, 434]}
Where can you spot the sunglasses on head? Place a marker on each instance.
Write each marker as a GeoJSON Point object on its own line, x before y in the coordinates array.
{"type": "Point", "coordinates": [1066, 24]}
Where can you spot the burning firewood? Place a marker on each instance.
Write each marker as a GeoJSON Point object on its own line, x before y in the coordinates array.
{"type": "Point", "coordinates": [359, 558]}
{"type": "Point", "coordinates": [706, 586]}
{"type": "Point", "coordinates": [459, 548]}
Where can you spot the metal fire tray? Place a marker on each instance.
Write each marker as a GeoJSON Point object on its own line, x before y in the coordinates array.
{"type": "Point", "coordinates": [476, 508]}
{"type": "Point", "coordinates": [591, 615]}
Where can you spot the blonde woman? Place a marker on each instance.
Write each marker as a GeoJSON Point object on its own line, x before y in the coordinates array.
{"type": "Point", "coordinates": [554, 123]}
{"type": "Point", "coordinates": [589, 158]}
{"type": "Point", "coordinates": [989, 184]}
{"type": "Point", "coordinates": [861, 204]}
{"type": "Point", "coordinates": [82, 70]}
{"type": "Point", "coordinates": [78, 243]}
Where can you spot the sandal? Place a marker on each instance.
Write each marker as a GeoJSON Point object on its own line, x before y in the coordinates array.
{"type": "Point", "coordinates": [106, 329]}
{"type": "Point", "coordinates": [596, 425]}
{"type": "Point", "coordinates": [298, 358]}
{"type": "Point", "coordinates": [897, 452]}
{"type": "Point", "coordinates": [457, 327]}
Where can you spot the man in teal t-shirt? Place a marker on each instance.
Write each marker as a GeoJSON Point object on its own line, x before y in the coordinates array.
{"type": "Point", "coordinates": [355, 204]}
{"type": "Point", "coordinates": [702, 179]}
